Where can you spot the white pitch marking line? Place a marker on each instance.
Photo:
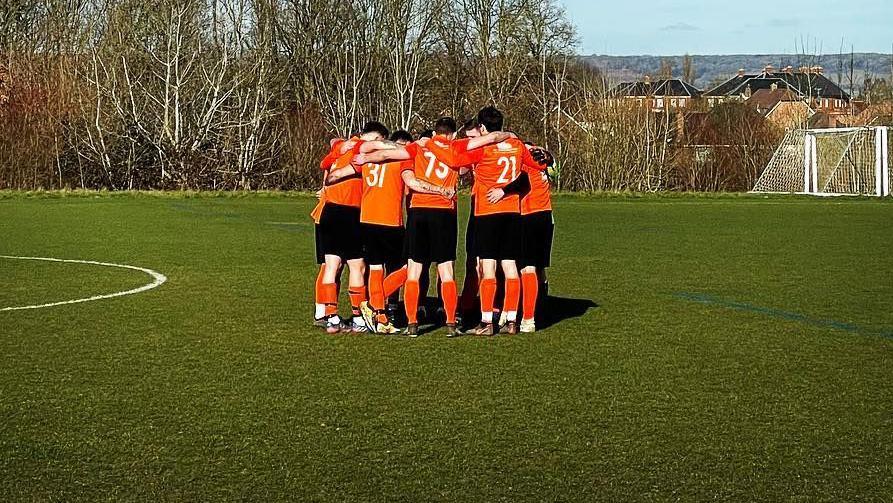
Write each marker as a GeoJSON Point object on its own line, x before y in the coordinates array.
{"type": "Point", "coordinates": [158, 280]}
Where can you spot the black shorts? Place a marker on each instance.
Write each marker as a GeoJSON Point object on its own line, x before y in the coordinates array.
{"type": "Point", "coordinates": [339, 230]}
{"type": "Point", "coordinates": [431, 235]}
{"type": "Point", "coordinates": [382, 244]}
{"type": "Point", "coordinates": [498, 237]}
{"type": "Point", "coordinates": [536, 246]}
{"type": "Point", "coordinates": [320, 256]}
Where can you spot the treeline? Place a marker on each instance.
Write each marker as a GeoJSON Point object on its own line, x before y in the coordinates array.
{"type": "Point", "coordinates": [244, 94]}
{"type": "Point", "coordinates": [849, 70]}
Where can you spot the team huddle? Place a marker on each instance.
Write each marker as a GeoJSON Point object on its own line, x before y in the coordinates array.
{"type": "Point", "coordinates": [360, 223]}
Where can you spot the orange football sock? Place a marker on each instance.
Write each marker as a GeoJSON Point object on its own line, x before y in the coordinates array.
{"type": "Point", "coordinates": [322, 270]}
{"type": "Point", "coordinates": [530, 291]}
{"type": "Point", "coordinates": [394, 281]}
{"type": "Point", "coordinates": [376, 289]}
{"type": "Point", "coordinates": [320, 308]}
{"type": "Point", "coordinates": [450, 299]}
{"type": "Point", "coordinates": [512, 297]}
{"type": "Point", "coordinates": [330, 298]}
{"type": "Point", "coordinates": [488, 297]}
{"type": "Point", "coordinates": [411, 301]}
{"type": "Point", "coordinates": [357, 295]}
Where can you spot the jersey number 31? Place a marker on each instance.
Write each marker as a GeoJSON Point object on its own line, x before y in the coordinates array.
{"type": "Point", "coordinates": [376, 175]}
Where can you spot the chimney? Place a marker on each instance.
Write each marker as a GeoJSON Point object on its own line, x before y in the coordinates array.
{"type": "Point", "coordinates": [804, 69]}
{"type": "Point", "coordinates": [819, 70]}
{"type": "Point", "coordinates": [774, 86]}
{"type": "Point", "coordinates": [741, 72]}
{"type": "Point", "coordinates": [789, 69]}
{"type": "Point", "coordinates": [769, 69]}
{"type": "Point", "coordinates": [648, 79]}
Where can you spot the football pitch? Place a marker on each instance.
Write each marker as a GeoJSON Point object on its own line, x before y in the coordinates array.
{"type": "Point", "coordinates": [695, 348]}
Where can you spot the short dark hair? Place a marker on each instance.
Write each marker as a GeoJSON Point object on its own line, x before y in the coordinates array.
{"type": "Point", "coordinates": [470, 124]}
{"type": "Point", "coordinates": [376, 127]}
{"type": "Point", "coordinates": [401, 135]}
{"type": "Point", "coordinates": [491, 118]}
{"type": "Point", "coordinates": [445, 125]}
{"type": "Point", "coordinates": [428, 133]}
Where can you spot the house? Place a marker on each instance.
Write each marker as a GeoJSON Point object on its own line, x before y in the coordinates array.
{"type": "Point", "coordinates": [782, 107]}
{"type": "Point", "coordinates": [660, 95]}
{"type": "Point", "coordinates": [809, 84]}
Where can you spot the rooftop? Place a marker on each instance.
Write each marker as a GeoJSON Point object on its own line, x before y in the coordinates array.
{"type": "Point", "coordinates": [766, 99]}
{"type": "Point", "coordinates": [805, 82]}
{"type": "Point", "coordinates": [663, 87]}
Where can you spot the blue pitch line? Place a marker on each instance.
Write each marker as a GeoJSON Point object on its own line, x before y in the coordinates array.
{"type": "Point", "coordinates": [712, 300]}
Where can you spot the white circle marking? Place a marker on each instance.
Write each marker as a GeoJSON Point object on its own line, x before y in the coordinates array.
{"type": "Point", "coordinates": [158, 280]}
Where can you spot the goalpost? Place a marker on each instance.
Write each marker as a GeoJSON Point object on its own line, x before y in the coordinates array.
{"type": "Point", "coordinates": [825, 162]}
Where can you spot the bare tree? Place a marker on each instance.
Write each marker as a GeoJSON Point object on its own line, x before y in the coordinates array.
{"type": "Point", "coordinates": [688, 69]}
{"type": "Point", "coordinates": [243, 94]}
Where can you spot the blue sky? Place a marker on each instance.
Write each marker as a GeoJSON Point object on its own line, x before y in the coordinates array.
{"type": "Point", "coordinates": [661, 27]}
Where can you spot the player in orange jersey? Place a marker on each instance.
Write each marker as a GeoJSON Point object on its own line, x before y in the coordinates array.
{"type": "Point", "coordinates": [538, 227]}
{"type": "Point", "coordinates": [339, 225]}
{"type": "Point", "coordinates": [337, 147]}
{"type": "Point", "coordinates": [381, 217]}
{"type": "Point", "coordinates": [498, 225]}
{"type": "Point", "coordinates": [319, 316]}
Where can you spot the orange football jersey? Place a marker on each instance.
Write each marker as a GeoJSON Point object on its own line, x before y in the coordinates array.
{"type": "Point", "coordinates": [430, 168]}
{"type": "Point", "coordinates": [331, 158]}
{"type": "Point", "coordinates": [383, 191]}
{"type": "Point", "coordinates": [539, 198]}
{"type": "Point", "coordinates": [346, 191]}
{"type": "Point", "coordinates": [497, 166]}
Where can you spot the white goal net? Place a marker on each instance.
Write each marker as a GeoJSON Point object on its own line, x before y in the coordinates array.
{"type": "Point", "coordinates": [844, 161]}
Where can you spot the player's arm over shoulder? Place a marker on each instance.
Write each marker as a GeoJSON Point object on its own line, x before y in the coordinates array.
{"type": "Point", "coordinates": [342, 168]}
{"type": "Point", "coordinates": [490, 139]}
{"type": "Point", "coordinates": [392, 152]}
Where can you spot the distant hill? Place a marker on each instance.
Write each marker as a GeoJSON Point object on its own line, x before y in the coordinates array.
{"type": "Point", "coordinates": [709, 70]}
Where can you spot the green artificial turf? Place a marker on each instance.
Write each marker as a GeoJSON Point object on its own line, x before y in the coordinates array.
{"type": "Point", "coordinates": [707, 348]}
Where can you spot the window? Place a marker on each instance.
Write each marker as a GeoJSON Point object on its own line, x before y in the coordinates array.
{"type": "Point", "coordinates": [673, 103]}
{"type": "Point", "coordinates": [682, 102]}
{"type": "Point", "coordinates": [660, 103]}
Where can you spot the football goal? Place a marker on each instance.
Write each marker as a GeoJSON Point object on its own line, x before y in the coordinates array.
{"type": "Point", "coordinates": [843, 161]}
